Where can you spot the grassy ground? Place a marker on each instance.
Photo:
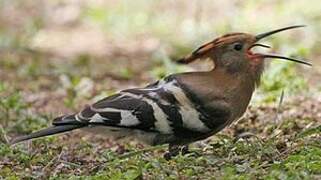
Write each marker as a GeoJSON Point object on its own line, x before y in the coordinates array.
{"type": "Point", "coordinates": [58, 56]}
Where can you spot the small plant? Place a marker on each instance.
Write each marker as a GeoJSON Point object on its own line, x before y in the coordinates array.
{"type": "Point", "coordinates": [11, 103]}
{"type": "Point", "coordinates": [76, 87]}
{"type": "Point", "coordinates": [278, 77]}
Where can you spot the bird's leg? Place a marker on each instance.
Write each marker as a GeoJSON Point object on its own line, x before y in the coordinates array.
{"type": "Point", "coordinates": [173, 150]}
{"type": "Point", "coordinates": [185, 149]}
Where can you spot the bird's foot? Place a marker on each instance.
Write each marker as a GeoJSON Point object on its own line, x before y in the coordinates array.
{"type": "Point", "coordinates": [185, 150]}
{"type": "Point", "coordinates": [174, 150]}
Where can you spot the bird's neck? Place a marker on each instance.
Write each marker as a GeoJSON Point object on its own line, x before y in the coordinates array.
{"type": "Point", "coordinates": [237, 87]}
{"type": "Point", "coordinates": [248, 75]}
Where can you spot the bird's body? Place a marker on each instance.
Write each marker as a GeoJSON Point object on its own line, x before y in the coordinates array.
{"type": "Point", "coordinates": [168, 111]}
{"type": "Point", "coordinates": [181, 108]}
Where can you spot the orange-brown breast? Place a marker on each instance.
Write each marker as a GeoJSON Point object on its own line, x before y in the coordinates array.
{"type": "Point", "coordinates": [218, 86]}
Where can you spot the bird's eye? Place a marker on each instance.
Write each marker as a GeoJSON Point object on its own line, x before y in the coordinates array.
{"type": "Point", "coordinates": [238, 46]}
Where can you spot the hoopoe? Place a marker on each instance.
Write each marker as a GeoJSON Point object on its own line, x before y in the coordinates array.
{"type": "Point", "coordinates": [181, 108]}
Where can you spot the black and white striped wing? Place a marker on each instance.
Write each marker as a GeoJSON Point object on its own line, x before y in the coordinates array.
{"type": "Point", "coordinates": [119, 110]}
{"type": "Point", "coordinates": [161, 107]}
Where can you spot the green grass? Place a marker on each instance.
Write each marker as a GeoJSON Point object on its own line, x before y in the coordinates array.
{"type": "Point", "coordinates": [281, 76]}
{"type": "Point", "coordinates": [224, 157]}
{"type": "Point", "coordinates": [292, 154]}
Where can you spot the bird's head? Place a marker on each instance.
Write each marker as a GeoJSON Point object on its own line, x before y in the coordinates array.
{"type": "Point", "coordinates": [233, 52]}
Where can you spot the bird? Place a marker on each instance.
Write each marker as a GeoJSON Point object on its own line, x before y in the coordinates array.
{"type": "Point", "coordinates": [181, 108]}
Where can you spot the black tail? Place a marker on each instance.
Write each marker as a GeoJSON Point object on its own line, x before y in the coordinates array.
{"type": "Point", "coordinates": [60, 125]}
{"type": "Point", "coordinates": [46, 132]}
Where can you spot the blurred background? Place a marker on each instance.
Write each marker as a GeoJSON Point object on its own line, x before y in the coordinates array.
{"type": "Point", "coordinates": [58, 55]}
{"type": "Point", "coordinates": [80, 46]}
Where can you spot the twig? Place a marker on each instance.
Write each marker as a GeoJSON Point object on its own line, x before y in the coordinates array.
{"type": "Point", "coordinates": [277, 119]}
{"type": "Point", "coordinates": [130, 154]}
{"type": "Point", "coordinates": [4, 134]}
{"type": "Point", "coordinates": [247, 135]}
{"type": "Point", "coordinates": [70, 163]}
{"type": "Point", "coordinates": [279, 107]}
{"type": "Point", "coordinates": [127, 155]}
{"type": "Point", "coordinates": [56, 158]}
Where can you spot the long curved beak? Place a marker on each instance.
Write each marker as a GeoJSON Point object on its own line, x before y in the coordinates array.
{"type": "Point", "coordinates": [284, 58]}
{"type": "Point", "coordinates": [264, 35]}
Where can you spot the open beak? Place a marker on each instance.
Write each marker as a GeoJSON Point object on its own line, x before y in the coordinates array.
{"type": "Point", "coordinates": [264, 35]}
